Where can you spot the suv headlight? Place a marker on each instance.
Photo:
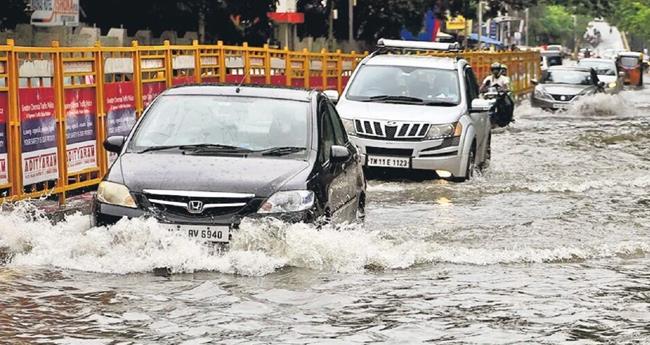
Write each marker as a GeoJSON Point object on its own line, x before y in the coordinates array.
{"type": "Point", "coordinates": [611, 85]}
{"type": "Point", "coordinates": [541, 94]}
{"type": "Point", "coordinates": [289, 201]}
{"type": "Point", "coordinates": [444, 131]}
{"type": "Point", "coordinates": [349, 126]}
{"type": "Point", "coordinates": [115, 194]}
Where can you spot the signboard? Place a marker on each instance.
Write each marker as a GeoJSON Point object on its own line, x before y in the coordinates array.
{"type": "Point", "coordinates": [456, 23]}
{"type": "Point", "coordinates": [4, 113]}
{"type": "Point", "coordinates": [80, 133]}
{"type": "Point", "coordinates": [120, 110]}
{"type": "Point", "coordinates": [38, 127]}
{"type": "Point", "coordinates": [150, 91]}
{"type": "Point", "coordinates": [55, 12]}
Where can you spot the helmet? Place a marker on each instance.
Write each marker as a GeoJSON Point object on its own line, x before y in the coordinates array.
{"type": "Point", "coordinates": [495, 65]}
{"type": "Point", "coordinates": [504, 66]}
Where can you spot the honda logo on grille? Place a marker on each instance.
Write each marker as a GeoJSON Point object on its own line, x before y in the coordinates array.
{"type": "Point", "coordinates": [195, 206]}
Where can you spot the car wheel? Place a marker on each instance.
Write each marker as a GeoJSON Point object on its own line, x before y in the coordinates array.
{"type": "Point", "coordinates": [471, 167]}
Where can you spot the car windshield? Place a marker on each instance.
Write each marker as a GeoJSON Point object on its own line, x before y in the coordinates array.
{"type": "Point", "coordinates": [629, 61]}
{"type": "Point", "coordinates": [568, 77]}
{"type": "Point", "coordinates": [241, 124]}
{"type": "Point", "coordinates": [415, 85]}
{"type": "Point", "coordinates": [601, 67]}
{"type": "Point", "coordinates": [554, 60]}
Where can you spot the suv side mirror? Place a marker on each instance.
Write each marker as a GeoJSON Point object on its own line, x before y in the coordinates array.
{"type": "Point", "coordinates": [339, 154]}
{"type": "Point", "coordinates": [333, 95]}
{"type": "Point", "coordinates": [534, 81]}
{"type": "Point", "coordinates": [114, 144]}
{"type": "Point", "coordinates": [480, 106]}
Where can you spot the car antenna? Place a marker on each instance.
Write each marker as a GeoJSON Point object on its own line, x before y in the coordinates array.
{"type": "Point", "coordinates": [238, 89]}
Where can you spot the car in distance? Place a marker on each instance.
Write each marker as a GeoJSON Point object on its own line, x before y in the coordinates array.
{"type": "Point", "coordinates": [408, 111]}
{"type": "Point", "coordinates": [561, 86]}
{"type": "Point", "coordinates": [202, 158]}
{"type": "Point", "coordinates": [606, 71]}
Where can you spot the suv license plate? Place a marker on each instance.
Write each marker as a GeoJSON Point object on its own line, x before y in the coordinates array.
{"type": "Point", "coordinates": [560, 106]}
{"type": "Point", "coordinates": [220, 234]}
{"type": "Point", "coordinates": [389, 162]}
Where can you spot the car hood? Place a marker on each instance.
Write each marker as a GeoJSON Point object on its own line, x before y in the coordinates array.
{"type": "Point", "coordinates": [174, 171]}
{"type": "Point", "coordinates": [564, 89]}
{"type": "Point", "coordinates": [398, 112]}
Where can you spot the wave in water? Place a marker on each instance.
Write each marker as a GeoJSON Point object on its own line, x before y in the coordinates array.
{"type": "Point", "coordinates": [259, 248]}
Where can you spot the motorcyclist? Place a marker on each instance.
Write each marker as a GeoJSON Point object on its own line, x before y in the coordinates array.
{"type": "Point", "coordinates": [503, 110]}
{"type": "Point", "coordinates": [496, 80]}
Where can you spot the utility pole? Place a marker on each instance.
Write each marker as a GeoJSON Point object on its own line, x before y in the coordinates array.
{"type": "Point", "coordinates": [480, 23]}
{"type": "Point", "coordinates": [330, 32]}
{"type": "Point", "coordinates": [351, 4]}
{"type": "Point", "coordinates": [527, 13]}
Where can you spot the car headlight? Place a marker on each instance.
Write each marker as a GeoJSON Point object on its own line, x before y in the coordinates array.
{"type": "Point", "coordinates": [289, 201]}
{"type": "Point", "coordinates": [444, 131]}
{"type": "Point", "coordinates": [349, 126]}
{"type": "Point", "coordinates": [115, 194]}
{"type": "Point", "coordinates": [612, 85]}
{"type": "Point", "coordinates": [541, 94]}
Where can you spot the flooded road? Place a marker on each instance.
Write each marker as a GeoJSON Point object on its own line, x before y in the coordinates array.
{"type": "Point", "coordinates": [550, 245]}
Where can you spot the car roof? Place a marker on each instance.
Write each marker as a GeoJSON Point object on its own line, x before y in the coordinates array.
{"type": "Point", "coordinates": [597, 60]}
{"type": "Point", "coordinates": [635, 54]}
{"type": "Point", "coordinates": [264, 91]}
{"type": "Point", "coordinates": [569, 68]}
{"type": "Point", "coordinates": [413, 61]}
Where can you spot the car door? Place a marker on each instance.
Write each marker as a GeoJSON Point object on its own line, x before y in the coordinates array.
{"type": "Point", "coordinates": [351, 166]}
{"type": "Point", "coordinates": [332, 175]}
{"type": "Point", "coordinates": [481, 120]}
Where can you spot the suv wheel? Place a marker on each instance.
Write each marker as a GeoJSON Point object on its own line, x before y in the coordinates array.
{"type": "Point", "coordinates": [361, 210]}
{"type": "Point", "coordinates": [471, 167]}
{"type": "Point", "coordinates": [488, 155]}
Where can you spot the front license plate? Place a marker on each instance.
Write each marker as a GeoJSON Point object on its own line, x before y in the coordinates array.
{"type": "Point", "coordinates": [389, 162]}
{"type": "Point", "coordinates": [560, 106]}
{"type": "Point", "coordinates": [219, 234]}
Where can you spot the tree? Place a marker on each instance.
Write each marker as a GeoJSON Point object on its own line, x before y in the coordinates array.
{"type": "Point", "coordinates": [12, 13]}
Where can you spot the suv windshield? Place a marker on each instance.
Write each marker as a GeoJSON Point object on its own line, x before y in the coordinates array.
{"type": "Point", "coordinates": [399, 84]}
{"type": "Point", "coordinates": [568, 77]}
{"type": "Point", "coordinates": [224, 123]}
{"type": "Point", "coordinates": [601, 67]}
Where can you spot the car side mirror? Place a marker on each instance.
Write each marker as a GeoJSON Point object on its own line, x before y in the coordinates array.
{"type": "Point", "coordinates": [534, 81]}
{"type": "Point", "coordinates": [480, 106]}
{"type": "Point", "coordinates": [333, 95]}
{"type": "Point", "coordinates": [114, 144]}
{"type": "Point", "coordinates": [339, 154]}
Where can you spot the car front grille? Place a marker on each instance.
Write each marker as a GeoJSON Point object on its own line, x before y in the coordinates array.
{"type": "Point", "coordinates": [391, 130]}
{"type": "Point", "coordinates": [194, 204]}
{"type": "Point", "coordinates": [563, 98]}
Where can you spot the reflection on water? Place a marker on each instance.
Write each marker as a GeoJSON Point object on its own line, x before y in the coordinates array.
{"type": "Point", "coordinates": [549, 246]}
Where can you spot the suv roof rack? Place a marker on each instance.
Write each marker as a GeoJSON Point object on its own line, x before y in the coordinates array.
{"type": "Point", "coordinates": [385, 45]}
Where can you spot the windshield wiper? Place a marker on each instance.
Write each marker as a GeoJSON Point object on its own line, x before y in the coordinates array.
{"type": "Point", "coordinates": [282, 151]}
{"type": "Point", "coordinates": [387, 98]}
{"type": "Point", "coordinates": [159, 148]}
{"type": "Point", "coordinates": [214, 148]}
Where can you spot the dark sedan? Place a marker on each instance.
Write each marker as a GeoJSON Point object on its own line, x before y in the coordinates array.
{"type": "Point", "coordinates": [202, 158]}
{"type": "Point", "coordinates": [561, 86]}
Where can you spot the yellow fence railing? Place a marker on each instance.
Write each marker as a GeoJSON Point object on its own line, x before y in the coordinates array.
{"type": "Point", "coordinates": [58, 104]}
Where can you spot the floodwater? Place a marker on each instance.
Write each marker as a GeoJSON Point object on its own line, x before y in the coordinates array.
{"type": "Point", "coordinates": [551, 245]}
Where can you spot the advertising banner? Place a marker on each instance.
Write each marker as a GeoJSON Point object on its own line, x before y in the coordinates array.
{"type": "Point", "coordinates": [4, 114]}
{"type": "Point", "coordinates": [150, 91]}
{"type": "Point", "coordinates": [80, 133]}
{"type": "Point", "coordinates": [120, 110]}
{"type": "Point", "coordinates": [38, 127]}
{"type": "Point", "coordinates": [55, 12]}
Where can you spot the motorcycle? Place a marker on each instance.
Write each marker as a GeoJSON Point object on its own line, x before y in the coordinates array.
{"type": "Point", "coordinates": [502, 112]}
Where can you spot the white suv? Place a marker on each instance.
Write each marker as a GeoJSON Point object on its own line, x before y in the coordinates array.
{"type": "Point", "coordinates": [410, 111]}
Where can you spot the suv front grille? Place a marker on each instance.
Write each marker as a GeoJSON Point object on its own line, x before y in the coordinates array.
{"type": "Point", "coordinates": [197, 204]}
{"type": "Point", "coordinates": [391, 130]}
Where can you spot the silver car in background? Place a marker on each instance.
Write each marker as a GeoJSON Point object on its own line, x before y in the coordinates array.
{"type": "Point", "coordinates": [562, 86]}
{"type": "Point", "coordinates": [607, 73]}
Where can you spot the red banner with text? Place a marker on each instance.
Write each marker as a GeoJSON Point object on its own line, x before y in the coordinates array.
{"type": "Point", "coordinates": [38, 127]}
